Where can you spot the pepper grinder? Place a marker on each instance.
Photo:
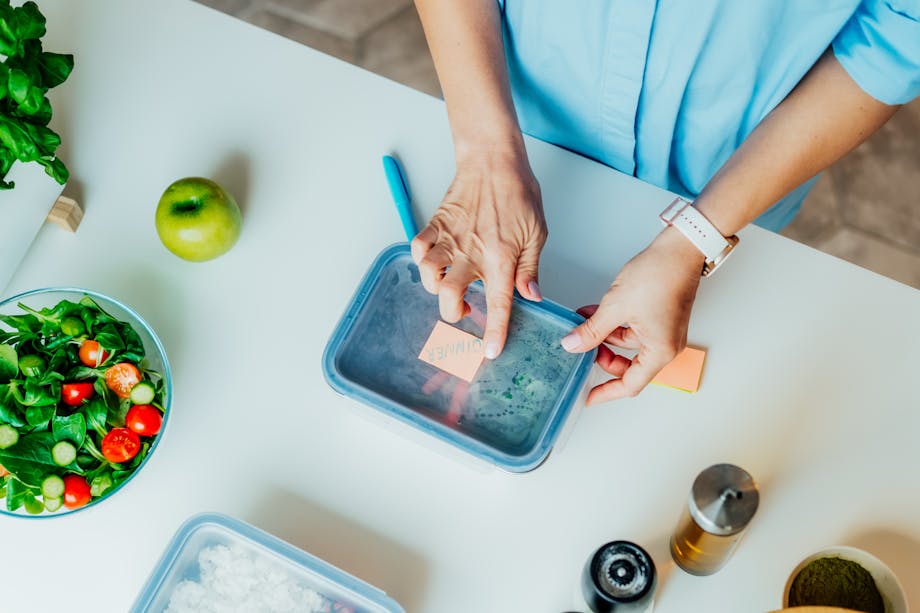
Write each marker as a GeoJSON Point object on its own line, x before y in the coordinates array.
{"type": "Point", "coordinates": [722, 502]}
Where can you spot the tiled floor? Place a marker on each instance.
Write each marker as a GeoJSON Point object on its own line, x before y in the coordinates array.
{"type": "Point", "coordinates": [865, 209]}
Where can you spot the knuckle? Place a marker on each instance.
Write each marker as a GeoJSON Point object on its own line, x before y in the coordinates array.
{"type": "Point", "coordinates": [452, 288]}
{"type": "Point", "coordinates": [590, 329]}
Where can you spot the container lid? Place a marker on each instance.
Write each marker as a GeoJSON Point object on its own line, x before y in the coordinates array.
{"type": "Point", "coordinates": [214, 545]}
{"type": "Point", "coordinates": [723, 499]}
{"type": "Point", "coordinates": [512, 409]}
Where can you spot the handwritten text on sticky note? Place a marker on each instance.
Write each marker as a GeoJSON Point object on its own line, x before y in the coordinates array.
{"type": "Point", "coordinates": [453, 350]}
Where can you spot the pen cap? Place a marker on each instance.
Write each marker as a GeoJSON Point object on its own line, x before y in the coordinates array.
{"type": "Point", "coordinates": [723, 499]}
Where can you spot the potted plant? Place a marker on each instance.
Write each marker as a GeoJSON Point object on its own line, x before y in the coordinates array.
{"type": "Point", "coordinates": [31, 176]}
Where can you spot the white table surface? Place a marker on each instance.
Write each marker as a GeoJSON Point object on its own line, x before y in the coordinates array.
{"type": "Point", "coordinates": [810, 382]}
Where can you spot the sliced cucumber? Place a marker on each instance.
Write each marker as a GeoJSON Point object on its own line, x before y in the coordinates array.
{"type": "Point", "coordinates": [63, 453]}
{"type": "Point", "coordinates": [143, 393]}
{"type": "Point", "coordinates": [9, 436]}
{"type": "Point", "coordinates": [52, 487]}
{"type": "Point", "coordinates": [31, 365]}
{"type": "Point", "coordinates": [53, 504]}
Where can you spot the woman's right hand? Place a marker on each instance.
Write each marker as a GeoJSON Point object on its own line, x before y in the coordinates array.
{"type": "Point", "coordinates": [489, 226]}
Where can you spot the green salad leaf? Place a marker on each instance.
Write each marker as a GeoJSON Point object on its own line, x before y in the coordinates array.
{"type": "Point", "coordinates": [69, 428]}
{"type": "Point", "coordinates": [9, 362]}
{"type": "Point", "coordinates": [49, 397]}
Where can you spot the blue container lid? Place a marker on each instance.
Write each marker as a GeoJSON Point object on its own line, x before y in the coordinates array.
{"type": "Point", "coordinates": [512, 411]}
{"type": "Point", "coordinates": [180, 562]}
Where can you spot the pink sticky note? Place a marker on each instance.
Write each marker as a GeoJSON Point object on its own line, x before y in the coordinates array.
{"type": "Point", "coordinates": [453, 350]}
{"type": "Point", "coordinates": [684, 371]}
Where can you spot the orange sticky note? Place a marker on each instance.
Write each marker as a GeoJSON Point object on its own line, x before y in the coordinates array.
{"type": "Point", "coordinates": [453, 350]}
{"type": "Point", "coordinates": [684, 371]}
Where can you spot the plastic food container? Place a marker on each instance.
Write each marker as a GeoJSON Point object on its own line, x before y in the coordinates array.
{"type": "Point", "coordinates": [512, 411]}
{"type": "Point", "coordinates": [203, 538]}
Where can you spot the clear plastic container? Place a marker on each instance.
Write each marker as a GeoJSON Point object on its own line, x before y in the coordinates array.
{"type": "Point", "coordinates": [509, 415]}
{"type": "Point", "coordinates": [336, 590]}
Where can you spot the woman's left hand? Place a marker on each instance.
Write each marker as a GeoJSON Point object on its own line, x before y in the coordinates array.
{"type": "Point", "coordinates": [647, 309]}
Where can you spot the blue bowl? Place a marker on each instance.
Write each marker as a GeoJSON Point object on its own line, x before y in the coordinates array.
{"type": "Point", "coordinates": [155, 359]}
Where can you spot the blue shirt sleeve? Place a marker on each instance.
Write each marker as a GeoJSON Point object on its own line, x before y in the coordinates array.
{"type": "Point", "coordinates": [879, 47]}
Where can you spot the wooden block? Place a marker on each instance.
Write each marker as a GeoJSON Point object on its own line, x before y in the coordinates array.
{"type": "Point", "coordinates": [66, 213]}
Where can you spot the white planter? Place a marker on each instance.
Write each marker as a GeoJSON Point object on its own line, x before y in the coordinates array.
{"type": "Point", "coordinates": [23, 210]}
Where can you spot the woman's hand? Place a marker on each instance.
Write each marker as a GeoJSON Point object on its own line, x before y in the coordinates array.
{"type": "Point", "coordinates": [489, 226]}
{"type": "Point", "coordinates": [646, 309]}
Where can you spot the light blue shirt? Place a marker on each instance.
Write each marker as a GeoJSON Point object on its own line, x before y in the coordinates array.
{"type": "Point", "coordinates": [666, 90]}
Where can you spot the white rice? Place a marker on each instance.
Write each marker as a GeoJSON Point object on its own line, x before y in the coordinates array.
{"type": "Point", "coordinates": [233, 580]}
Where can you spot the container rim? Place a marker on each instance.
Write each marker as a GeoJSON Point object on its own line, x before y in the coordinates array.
{"type": "Point", "coordinates": [513, 463]}
{"type": "Point", "coordinates": [312, 564]}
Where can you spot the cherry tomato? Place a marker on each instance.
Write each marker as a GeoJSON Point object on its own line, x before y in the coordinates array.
{"type": "Point", "coordinates": [144, 419]}
{"type": "Point", "coordinates": [3, 472]}
{"type": "Point", "coordinates": [122, 377]}
{"type": "Point", "coordinates": [73, 394]}
{"type": "Point", "coordinates": [76, 491]}
{"type": "Point", "coordinates": [91, 354]}
{"type": "Point", "coordinates": [120, 445]}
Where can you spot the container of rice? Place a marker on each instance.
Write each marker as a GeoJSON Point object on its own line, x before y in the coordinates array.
{"type": "Point", "coordinates": [219, 564]}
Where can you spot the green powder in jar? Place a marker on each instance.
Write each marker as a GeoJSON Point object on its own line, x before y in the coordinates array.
{"type": "Point", "coordinates": [835, 582]}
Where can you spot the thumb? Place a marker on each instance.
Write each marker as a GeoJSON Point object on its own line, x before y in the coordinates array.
{"type": "Point", "coordinates": [592, 332]}
{"type": "Point", "coordinates": [527, 273]}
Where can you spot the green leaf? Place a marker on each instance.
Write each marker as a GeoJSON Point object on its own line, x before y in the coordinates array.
{"type": "Point", "coordinates": [17, 492]}
{"type": "Point", "coordinates": [9, 362]}
{"type": "Point", "coordinates": [109, 338]}
{"type": "Point", "coordinates": [18, 84]}
{"type": "Point", "coordinates": [4, 78]}
{"type": "Point", "coordinates": [45, 138]}
{"type": "Point", "coordinates": [55, 68]}
{"type": "Point", "coordinates": [28, 22]}
{"type": "Point", "coordinates": [23, 323]}
{"type": "Point", "coordinates": [55, 169]}
{"type": "Point", "coordinates": [9, 43]}
{"type": "Point", "coordinates": [30, 459]}
{"type": "Point", "coordinates": [33, 394]}
{"type": "Point", "coordinates": [100, 484]}
{"type": "Point", "coordinates": [15, 138]}
{"type": "Point", "coordinates": [70, 428]}
{"type": "Point", "coordinates": [12, 416]}
{"type": "Point", "coordinates": [43, 114]}
{"type": "Point", "coordinates": [95, 412]}
{"type": "Point", "coordinates": [39, 417]}
{"type": "Point", "coordinates": [32, 103]}
{"type": "Point", "coordinates": [6, 161]}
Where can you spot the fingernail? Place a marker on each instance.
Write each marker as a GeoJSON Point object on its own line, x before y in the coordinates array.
{"type": "Point", "coordinates": [535, 290]}
{"type": "Point", "coordinates": [491, 350]}
{"type": "Point", "coordinates": [571, 342]}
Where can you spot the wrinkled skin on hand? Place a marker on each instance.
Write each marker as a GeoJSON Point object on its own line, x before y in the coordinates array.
{"type": "Point", "coordinates": [489, 226]}
{"type": "Point", "coordinates": [646, 309]}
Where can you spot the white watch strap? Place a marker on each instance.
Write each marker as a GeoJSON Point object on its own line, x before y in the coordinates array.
{"type": "Point", "coordinates": [694, 225]}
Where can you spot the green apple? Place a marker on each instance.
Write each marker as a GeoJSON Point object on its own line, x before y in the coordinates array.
{"type": "Point", "coordinates": [197, 219]}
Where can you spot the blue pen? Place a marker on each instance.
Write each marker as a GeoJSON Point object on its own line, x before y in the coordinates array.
{"type": "Point", "coordinates": [400, 192]}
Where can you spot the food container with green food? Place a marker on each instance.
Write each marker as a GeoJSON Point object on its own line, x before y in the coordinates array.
{"type": "Point", "coordinates": [512, 411]}
{"type": "Point", "coordinates": [216, 563]}
{"type": "Point", "coordinates": [845, 577]}
{"type": "Point", "coordinates": [85, 390]}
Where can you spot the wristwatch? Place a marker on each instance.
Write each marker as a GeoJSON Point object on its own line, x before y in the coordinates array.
{"type": "Point", "coordinates": [716, 248]}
